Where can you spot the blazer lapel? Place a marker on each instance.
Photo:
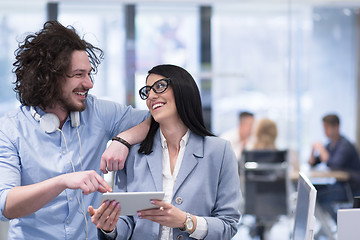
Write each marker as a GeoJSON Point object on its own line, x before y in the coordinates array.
{"type": "Point", "coordinates": [193, 151]}
{"type": "Point", "coordinates": [154, 161]}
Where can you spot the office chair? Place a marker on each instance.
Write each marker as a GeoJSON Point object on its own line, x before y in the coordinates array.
{"type": "Point", "coordinates": [264, 175]}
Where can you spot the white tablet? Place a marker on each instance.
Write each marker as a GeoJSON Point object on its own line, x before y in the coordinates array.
{"type": "Point", "coordinates": [131, 202]}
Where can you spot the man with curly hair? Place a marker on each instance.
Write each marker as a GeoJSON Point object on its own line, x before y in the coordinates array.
{"type": "Point", "coordinates": [52, 146]}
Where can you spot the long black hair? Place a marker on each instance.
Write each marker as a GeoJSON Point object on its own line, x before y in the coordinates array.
{"type": "Point", "coordinates": [187, 101]}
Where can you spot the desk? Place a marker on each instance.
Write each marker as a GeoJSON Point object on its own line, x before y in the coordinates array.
{"type": "Point", "coordinates": [323, 176]}
{"type": "Point", "coordinates": [341, 176]}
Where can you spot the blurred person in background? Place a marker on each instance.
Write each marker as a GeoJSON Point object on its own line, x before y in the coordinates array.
{"type": "Point", "coordinates": [338, 154]}
{"type": "Point", "coordinates": [241, 136]}
{"type": "Point", "coordinates": [265, 135]}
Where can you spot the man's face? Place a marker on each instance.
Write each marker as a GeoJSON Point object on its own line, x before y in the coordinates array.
{"type": "Point", "coordinates": [245, 127]}
{"type": "Point", "coordinates": [330, 131]}
{"type": "Point", "coordinates": [77, 82]}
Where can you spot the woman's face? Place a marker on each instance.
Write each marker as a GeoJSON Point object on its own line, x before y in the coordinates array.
{"type": "Point", "coordinates": [161, 105]}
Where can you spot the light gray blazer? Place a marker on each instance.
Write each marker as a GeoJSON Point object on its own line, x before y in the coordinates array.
{"type": "Point", "coordinates": [207, 185]}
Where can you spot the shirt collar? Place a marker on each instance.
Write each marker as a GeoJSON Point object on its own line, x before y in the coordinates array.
{"type": "Point", "coordinates": [184, 140]}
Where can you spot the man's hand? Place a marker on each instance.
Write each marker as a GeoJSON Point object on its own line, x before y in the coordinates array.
{"type": "Point", "coordinates": [318, 146]}
{"type": "Point", "coordinates": [114, 157]}
{"type": "Point", "coordinates": [87, 181]}
{"type": "Point", "coordinates": [319, 149]}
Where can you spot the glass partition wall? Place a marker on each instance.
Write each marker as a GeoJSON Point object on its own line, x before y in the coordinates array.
{"type": "Point", "coordinates": [289, 61]}
{"type": "Point", "coordinates": [15, 23]}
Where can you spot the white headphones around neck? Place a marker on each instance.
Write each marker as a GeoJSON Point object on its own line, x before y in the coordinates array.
{"type": "Point", "coordinates": [50, 123]}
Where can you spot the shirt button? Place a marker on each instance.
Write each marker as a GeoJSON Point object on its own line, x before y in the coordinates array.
{"type": "Point", "coordinates": [180, 237]}
{"type": "Point", "coordinates": [70, 198]}
{"type": "Point", "coordinates": [178, 200]}
{"type": "Point", "coordinates": [67, 221]}
{"type": "Point", "coordinates": [64, 152]}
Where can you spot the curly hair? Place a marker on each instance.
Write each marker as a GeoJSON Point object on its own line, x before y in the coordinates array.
{"type": "Point", "coordinates": [42, 61]}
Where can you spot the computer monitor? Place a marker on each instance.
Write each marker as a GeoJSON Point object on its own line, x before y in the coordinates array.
{"type": "Point", "coordinates": [305, 210]}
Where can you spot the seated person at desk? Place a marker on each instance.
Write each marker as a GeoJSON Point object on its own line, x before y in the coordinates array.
{"type": "Point", "coordinates": [338, 154]}
{"type": "Point", "coordinates": [196, 170]}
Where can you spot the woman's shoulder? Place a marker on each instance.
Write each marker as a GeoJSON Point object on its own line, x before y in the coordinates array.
{"type": "Point", "coordinates": [215, 139]}
{"type": "Point", "coordinates": [216, 142]}
{"type": "Point", "coordinates": [218, 148]}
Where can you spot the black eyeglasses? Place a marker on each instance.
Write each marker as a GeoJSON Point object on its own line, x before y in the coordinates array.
{"type": "Point", "coordinates": [159, 86]}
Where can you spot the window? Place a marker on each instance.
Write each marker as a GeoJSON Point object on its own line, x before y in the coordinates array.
{"type": "Point", "coordinates": [102, 25]}
{"type": "Point", "coordinates": [165, 34]}
{"type": "Point", "coordinates": [15, 22]}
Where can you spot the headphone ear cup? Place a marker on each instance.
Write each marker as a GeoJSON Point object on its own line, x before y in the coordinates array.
{"type": "Point", "coordinates": [49, 122]}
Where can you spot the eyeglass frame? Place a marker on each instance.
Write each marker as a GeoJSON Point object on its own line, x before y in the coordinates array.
{"type": "Point", "coordinates": [167, 80]}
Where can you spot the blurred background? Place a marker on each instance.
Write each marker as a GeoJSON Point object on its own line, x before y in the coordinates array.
{"type": "Point", "coordinates": [289, 60]}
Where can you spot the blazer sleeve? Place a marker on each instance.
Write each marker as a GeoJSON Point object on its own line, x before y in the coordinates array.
{"type": "Point", "coordinates": [225, 216]}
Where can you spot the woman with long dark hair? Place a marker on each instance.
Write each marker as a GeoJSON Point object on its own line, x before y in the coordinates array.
{"type": "Point", "coordinates": [196, 170]}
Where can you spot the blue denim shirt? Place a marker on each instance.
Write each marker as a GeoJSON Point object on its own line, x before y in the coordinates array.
{"type": "Point", "coordinates": [28, 155]}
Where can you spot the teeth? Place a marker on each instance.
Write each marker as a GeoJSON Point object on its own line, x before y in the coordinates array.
{"type": "Point", "coordinates": [157, 105]}
{"type": "Point", "coordinates": [80, 93]}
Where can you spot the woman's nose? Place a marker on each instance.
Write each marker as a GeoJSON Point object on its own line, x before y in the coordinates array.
{"type": "Point", "coordinates": [152, 94]}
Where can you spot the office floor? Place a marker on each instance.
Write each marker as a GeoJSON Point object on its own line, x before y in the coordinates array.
{"type": "Point", "coordinates": [280, 231]}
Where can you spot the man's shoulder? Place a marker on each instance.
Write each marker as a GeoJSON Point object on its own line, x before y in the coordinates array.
{"type": "Point", "coordinates": [11, 116]}
{"type": "Point", "coordinates": [344, 141]}
{"type": "Point", "coordinates": [347, 145]}
{"type": "Point", "coordinates": [101, 105]}
{"type": "Point", "coordinates": [92, 100]}
{"type": "Point", "coordinates": [12, 122]}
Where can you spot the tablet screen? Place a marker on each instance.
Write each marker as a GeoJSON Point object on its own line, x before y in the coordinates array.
{"type": "Point", "coordinates": [131, 202]}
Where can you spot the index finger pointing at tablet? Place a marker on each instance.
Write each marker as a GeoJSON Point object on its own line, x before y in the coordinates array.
{"type": "Point", "coordinates": [104, 186]}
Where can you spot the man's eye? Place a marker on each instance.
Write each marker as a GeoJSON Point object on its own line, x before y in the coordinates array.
{"type": "Point", "coordinates": [78, 75]}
